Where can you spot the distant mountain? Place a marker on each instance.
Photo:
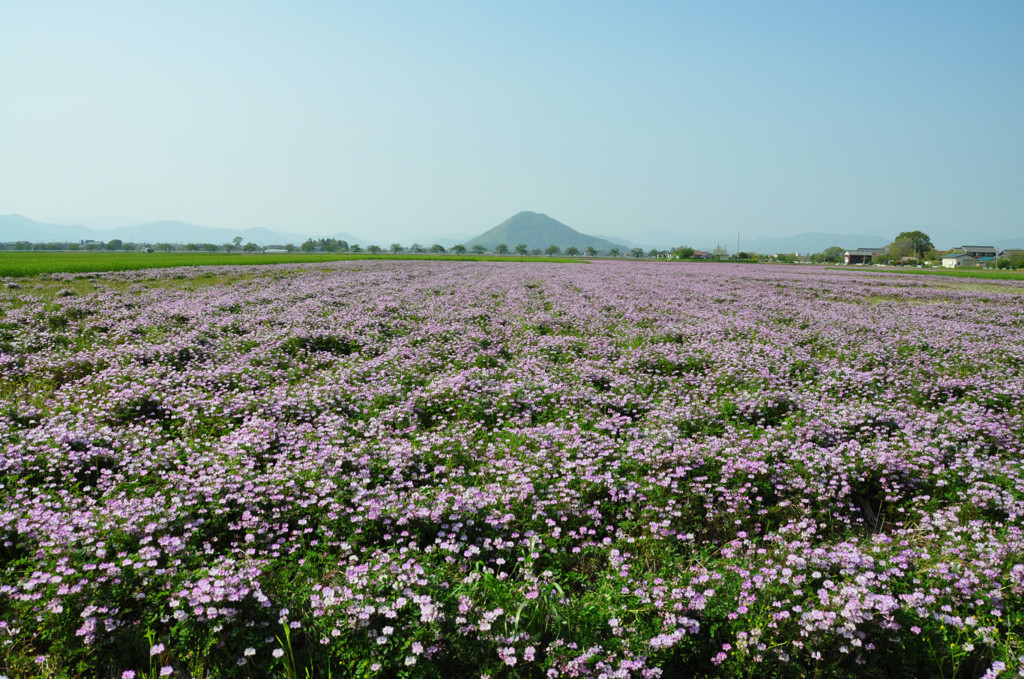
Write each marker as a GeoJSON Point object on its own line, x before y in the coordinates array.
{"type": "Point", "coordinates": [20, 228]}
{"type": "Point", "coordinates": [622, 242]}
{"type": "Point", "coordinates": [537, 230]}
{"type": "Point", "coordinates": [180, 232]}
{"type": "Point", "coordinates": [94, 223]}
{"type": "Point", "coordinates": [1008, 243]}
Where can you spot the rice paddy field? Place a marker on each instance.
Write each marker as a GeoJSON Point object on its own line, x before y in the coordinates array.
{"type": "Point", "coordinates": [496, 469]}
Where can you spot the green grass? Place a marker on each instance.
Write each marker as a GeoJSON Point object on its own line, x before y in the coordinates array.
{"type": "Point", "coordinates": [952, 273]}
{"type": "Point", "coordinates": [18, 263]}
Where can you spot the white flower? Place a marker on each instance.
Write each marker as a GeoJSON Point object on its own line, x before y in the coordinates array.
{"type": "Point", "coordinates": [278, 652]}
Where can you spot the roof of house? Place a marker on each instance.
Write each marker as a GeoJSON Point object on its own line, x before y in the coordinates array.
{"type": "Point", "coordinates": [957, 255]}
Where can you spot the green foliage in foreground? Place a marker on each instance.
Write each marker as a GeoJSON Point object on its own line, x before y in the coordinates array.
{"type": "Point", "coordinates": [33, 263]}
{"type": "Point", "coordinates": [954, 273]}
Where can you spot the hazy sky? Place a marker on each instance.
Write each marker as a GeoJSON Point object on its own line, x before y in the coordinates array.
{"type": "Point", "coordinates": [394, 119]}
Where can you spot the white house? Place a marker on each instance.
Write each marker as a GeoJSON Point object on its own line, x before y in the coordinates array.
{"type": "Point", "coordinates": [956, 260]}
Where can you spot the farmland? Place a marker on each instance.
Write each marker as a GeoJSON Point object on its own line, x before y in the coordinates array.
{"type": "Point", "coordinates": [623, 469]}
{"type": "Point", "coordinates": [15, 263]}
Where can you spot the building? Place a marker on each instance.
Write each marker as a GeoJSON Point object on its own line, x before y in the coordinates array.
{"type": "Point", "coordinates": [861, 255]}
{"type": "Point", "coordinates": [978, 251]}
{"type": "Point", "coordinates": [956, 260]}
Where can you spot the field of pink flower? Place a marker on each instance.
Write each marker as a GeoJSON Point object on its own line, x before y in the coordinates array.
{"type": "Point", "coordinates": [619, 469]}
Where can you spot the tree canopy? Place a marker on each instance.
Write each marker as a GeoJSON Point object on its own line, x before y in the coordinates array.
{"type": "Point", "coordinates": [919, 241]}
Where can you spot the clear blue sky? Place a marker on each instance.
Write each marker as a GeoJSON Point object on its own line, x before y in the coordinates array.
{"type": "Point", "coordinates": [393, 119]}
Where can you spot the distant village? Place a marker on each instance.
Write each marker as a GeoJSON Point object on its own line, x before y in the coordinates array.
{"type": "Point", "coordinates": [957, 258]}
{"type": "Point", "coordinates": [903, 251]}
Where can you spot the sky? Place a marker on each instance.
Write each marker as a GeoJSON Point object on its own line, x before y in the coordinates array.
{"type": "Point", "coordinates": [391, 120]}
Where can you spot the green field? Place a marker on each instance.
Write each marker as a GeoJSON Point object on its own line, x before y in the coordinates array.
{"type": "Point", "coordinates": [32, 263]}
{"type": "Point", "coordinates": [953, 273]}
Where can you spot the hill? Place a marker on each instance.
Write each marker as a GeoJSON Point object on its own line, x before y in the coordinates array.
{"type": "Point", "coordinates": [537, 230]}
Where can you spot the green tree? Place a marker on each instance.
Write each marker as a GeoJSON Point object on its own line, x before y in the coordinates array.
{"type": "Point", "coordinates": [572, 251]}
{"type": "Point", "coordinates": [479, 249]}
{"type": "Point", "coordinates": [437, 249]}
{"type": "Point", "coordinates": [250, 247]}
{"type": "Point", "coordinates": [415, 248]}
{"type": "Point", "coordinates": [684, 252]}
{"type": "Point", "coordinates": [833, 255]}
{"type": "Point", "coordinates": [237, 241]}
{"type": "Point", "coordinates": [166, 247]}
{"type": "Point", "coordinates": [614, 252]}
{"type": "Point", "coordinates": [553, 250]}
{"type": "Point", "coordinates": [209, 247]}
{"type": "Point", "coordinates": [373, 249]}
{"type": "Point", "coordinates": [521, 249]}
{"type": "Point", "coordinates": [308, 246]}
{"type": "Point", "coordinates": [459, 249]}
{"type": "Point", "coordinates": [919, 243]}
{"type": "Point", "coordinates": [637, 252]}
{"type": "Point", "coordinates": [115, 244]}
{"type": "Point", "coordinates": [900, 248]}
{"type": "Point", "coordinates": [653, 252]}
{"type": "Point", "coordinates": [719, 251]}
{"type": "Point", "coordinates": [1011, 260]}
{"type": "Point", "coordinates": [591, 251]}
{"type": "Point", "coordinates": [501, 249]}
{"type": "Point", "coordinates": [396, 248]}
{"type": "Point", "coordinates": [355, 248]}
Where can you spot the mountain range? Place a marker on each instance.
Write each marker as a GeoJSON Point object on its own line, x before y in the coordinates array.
{"type": "Point", "coordinates": [535, 230]}
{"type": "Point", "coordinates": [17, 227]}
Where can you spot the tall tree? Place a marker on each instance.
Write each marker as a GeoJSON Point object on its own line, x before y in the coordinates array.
{"type": "Point", "coordinates": [920, 242]}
